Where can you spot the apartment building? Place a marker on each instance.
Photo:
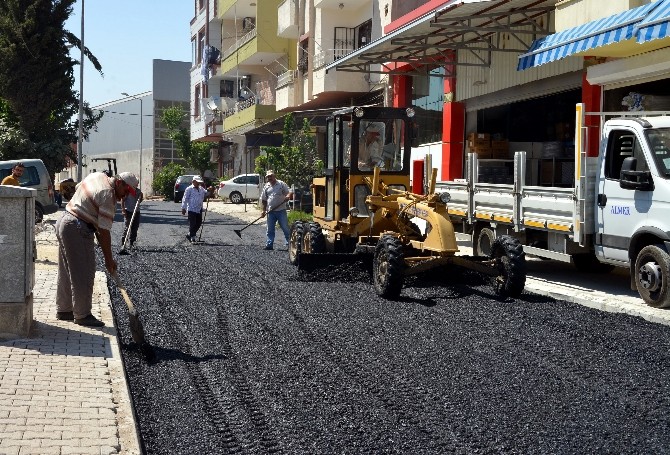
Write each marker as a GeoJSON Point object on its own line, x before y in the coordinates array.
{"type": "Point", "coordinates": [235, 92]}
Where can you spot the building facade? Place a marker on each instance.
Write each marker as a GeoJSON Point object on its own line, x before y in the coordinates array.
{"type": "Point", "coordinates": [491, 77]}
{"type": "Point", "coordinates": [131, 131]}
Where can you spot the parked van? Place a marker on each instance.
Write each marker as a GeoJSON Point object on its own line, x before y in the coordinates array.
{"type": "Point", "coordinates": [36, 177]}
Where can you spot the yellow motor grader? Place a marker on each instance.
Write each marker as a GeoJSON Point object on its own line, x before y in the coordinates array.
{"type": "Point", "coordinates": [363, 209]}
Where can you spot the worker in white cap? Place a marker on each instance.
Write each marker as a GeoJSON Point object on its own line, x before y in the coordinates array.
{"type": "Point", "coordinates": [89, 213]}
{"type": "Point", "coordinates": [191, 203]}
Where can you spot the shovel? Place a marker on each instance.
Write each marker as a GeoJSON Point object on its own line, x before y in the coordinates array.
{"type": "Point", "coordinates": [130, 226]}
{"type": "Point", "coordinates": [136, 327]}
{"type": "Point", "coordinates": [202, 226]}
{"type": "Point", "coordinates": [239, 231]}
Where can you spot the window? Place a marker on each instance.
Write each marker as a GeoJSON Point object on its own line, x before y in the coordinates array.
{"type": "Point", "coordinates": [30, 175]}
{"type": "Point", "coordinates": [428, 98]}
{"type": "Point", "coordinates": [201, 44]}
{"type": "Point", "coordinates": [194, 52]}
{"type": "Point", "coordinates": [303, 56]}
{"type": "Point", "coordinates": [621, 145]}
{"type": "Point", "coordinates": [227, 89]}
{"type": "Point", "coordinates": [201, 4]}
{"type": "Point", "coordinates": [659, 141]}
{"type": "Point", "coordinates": [344, 42]}
{"type": "Point", "coordinates": [364, 34]}
{"type": "Point", "coordinates": [196, 102]}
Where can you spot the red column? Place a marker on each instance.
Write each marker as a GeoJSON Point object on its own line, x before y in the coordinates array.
{"type": "Point", "coordinates": [402, 91]}
{"type": "Point", "coordinates": [591, 97]}
{"type": "Point", "coordinates": [417, 176]}
{"type": "Point", "coordinates": [453, 131]}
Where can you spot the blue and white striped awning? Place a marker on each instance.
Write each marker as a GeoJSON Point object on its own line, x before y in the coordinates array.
{"type": "Point", "coordinates": [645, 21]}
{"type": "Point", "coordinates": [655, 25]}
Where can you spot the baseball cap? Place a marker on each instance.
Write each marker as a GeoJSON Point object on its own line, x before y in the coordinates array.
{"type": "Point", "coordinates": [269, 173]}
{"type": "Point", "coordinates": [131, 181]}
{"type": "Point", "coordinates": [197, 178]}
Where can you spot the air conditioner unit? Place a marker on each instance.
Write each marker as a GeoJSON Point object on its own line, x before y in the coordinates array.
{"type": "Point", "coordinates": [248, 23]}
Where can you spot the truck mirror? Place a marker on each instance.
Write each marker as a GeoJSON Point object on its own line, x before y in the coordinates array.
{"type": "Point", "coordinates": [630, 179]}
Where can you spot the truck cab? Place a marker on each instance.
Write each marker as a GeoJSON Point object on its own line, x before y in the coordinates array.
{"type": "Point", "coordinates": [632, 202]}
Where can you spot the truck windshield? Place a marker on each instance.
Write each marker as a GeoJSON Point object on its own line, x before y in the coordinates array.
{"type": "Point", "coordinates": [659, 144]}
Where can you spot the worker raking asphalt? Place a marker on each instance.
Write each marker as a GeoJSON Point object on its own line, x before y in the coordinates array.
{"type": "Point", "coordinates": [253, 356]}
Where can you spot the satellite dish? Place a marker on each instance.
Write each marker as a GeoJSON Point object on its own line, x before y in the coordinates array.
{"type": "Point", "coordinates": [213, 103]}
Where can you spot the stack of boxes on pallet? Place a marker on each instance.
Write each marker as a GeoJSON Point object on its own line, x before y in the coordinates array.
{"type": "Point", "coordinates": [488, 147]}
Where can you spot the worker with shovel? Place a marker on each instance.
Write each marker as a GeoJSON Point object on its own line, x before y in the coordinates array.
{"type": "Point", "coordinates": [130, 208]}
{"type": "Point", "coordinates": [274, 196]}
{"type": "Point", "coordinates": [89, 213]}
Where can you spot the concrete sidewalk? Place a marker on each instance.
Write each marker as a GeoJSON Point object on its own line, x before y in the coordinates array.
{"type": "Point", "coordinates": [63, 390]}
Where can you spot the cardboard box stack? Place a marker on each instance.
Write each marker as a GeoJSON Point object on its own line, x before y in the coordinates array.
{"type": "Point", "coordinates": [480, 143]}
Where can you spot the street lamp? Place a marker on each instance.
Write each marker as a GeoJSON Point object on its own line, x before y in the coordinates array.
{"type": "Point", "coordinates": [80, 138]}
{"type": "Point", "coordinates": [140, 100]}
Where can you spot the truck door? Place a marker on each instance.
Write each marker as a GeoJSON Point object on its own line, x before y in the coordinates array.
{"type": "Point", "coordinates": [619, 211]}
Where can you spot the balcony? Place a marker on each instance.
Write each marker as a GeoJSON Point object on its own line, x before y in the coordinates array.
{"type": "Point", "coordinates": [247, 115]}
{"type": "Point", "coordinates": [251, 34]}
{"type": "Point", "coordinates": [287, 27]}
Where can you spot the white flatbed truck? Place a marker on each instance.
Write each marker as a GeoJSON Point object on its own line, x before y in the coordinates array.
{"type": "Point", "coordinates": [616, 214]}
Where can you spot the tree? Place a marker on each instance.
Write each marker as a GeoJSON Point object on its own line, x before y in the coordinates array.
{"type": "Point", "coordinates": [36, 80]}
{"type": "Point", "coordinates": [164, 180]}
{"type": "Point", "coordinates": [196, 154]}
{"type": "Point", "coordinates": [296, 160]}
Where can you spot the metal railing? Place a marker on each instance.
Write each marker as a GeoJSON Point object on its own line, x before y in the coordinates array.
{"type": "Point", "coordinates": [239, 43]}
{"type": "Point", "coordinates": [240, 106]}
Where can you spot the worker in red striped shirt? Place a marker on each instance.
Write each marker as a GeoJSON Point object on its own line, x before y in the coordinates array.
{"type": "Point", "coordinates": [89, 213]}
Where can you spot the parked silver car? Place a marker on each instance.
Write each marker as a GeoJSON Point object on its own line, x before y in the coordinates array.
{"type": "Point", "coordinates": [241, 187]}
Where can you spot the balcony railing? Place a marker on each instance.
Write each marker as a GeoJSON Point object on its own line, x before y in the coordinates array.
{"type": "Point", "coordinates": [285, 78]}
{"type": "Point", "coordinates": [240, 106]}
{"type": "Point", "coordinates": [239, 43]}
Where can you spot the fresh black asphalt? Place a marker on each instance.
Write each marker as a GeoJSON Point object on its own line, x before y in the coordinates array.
{"type": "Point", "coordinates": [253, 357]}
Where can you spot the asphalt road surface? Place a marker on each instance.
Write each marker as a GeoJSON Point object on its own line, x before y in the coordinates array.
{"type": "Point", "coordinates": [253, 357]}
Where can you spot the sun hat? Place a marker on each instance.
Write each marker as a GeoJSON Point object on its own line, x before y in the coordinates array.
{"type": "Point", "coordinates": [131, 181]}
{"type": "Point", "coordinates": [197, 178]}
{"type": "Point", "coordinates": [269, 173]}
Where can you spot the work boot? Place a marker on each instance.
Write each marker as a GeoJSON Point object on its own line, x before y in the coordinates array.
{"type": "Point", "coordinates": [90, 321]}
{"type": "Point", "coordinates": [65, 315]}
{"type": "Point", "coordinates": [268, 247]}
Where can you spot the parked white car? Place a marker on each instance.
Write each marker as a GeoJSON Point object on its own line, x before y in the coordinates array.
{"type": "Point", "coordinates": [240, 188]}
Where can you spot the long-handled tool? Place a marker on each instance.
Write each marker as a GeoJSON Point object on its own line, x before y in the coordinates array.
{"type": "Point", "coordinates": [136, 327]}
{"type": "Point", "coordinates": [202, 226]}
{"type": "Point", "coordinates": [130, 228]}
{"type": "Point", "coordinates": [239, 231]}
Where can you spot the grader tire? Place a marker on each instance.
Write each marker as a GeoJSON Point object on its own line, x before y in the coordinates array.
{"type": "Point", "coordinates": [313, 240]}
{"type": "Point", "coordinates": [484, 242]}
{"type": "Point", "coordinates": [511, 264]}
{"type": "Point", "coordinates": [295, 242]}
{"type": "Point", "coordinates": [388, 267]}
{"type": "Point", "coordinates": [652, 268]}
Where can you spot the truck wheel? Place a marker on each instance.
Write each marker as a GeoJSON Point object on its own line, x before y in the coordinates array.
{"type": "Point", "coordinates": [313, 240]}
{"type": "Point", "coordinates": [295, 242]}
{"type": "Point", "coordinates": [652, 268]}
{"type": "Point", "coordinates": [588, 263]}
{"type": "Point", "coordinates": [484, 242]}
{"type": "Point", "coordinates": [512, 266]}
{"type": "Point", "coordinates": [388, 267]}
{"type": "Point", "coordinates": [236, 197]}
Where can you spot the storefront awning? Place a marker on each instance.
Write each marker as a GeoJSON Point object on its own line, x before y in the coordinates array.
{"type": "Point", "coordinates": [478, 26]}
{"type": "Point", "coordinates": [619, 35]}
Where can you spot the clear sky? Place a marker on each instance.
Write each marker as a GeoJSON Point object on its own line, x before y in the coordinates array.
{"type": "Point", "coordinates": [125, 36]}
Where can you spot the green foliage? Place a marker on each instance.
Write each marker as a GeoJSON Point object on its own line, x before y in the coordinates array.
{"type": "Point", "coordinates": [14, 143]}
{"type": "Point", "coordinates": [295, 215]}
{"type": "Point", "coordinates": [163, 183]}
{"type": "Point", "coordinates": [296, 161]}
{"type": "Point", "coordinates": [36, 81]}
{"type": "Point", "coordinates": [196, 154]}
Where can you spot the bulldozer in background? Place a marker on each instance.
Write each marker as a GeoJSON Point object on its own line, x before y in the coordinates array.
{"type": "Point", "coordinates": [363, 209]}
